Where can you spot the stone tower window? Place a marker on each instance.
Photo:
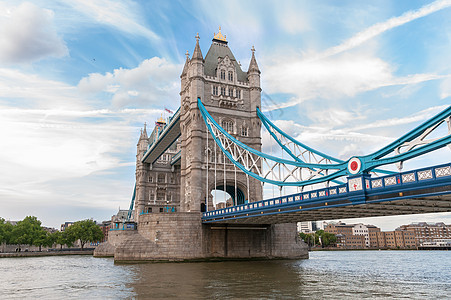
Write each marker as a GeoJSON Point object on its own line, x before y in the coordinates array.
{"type": "Point", "coordinates": [161, 178]}
{"type": "Point", "coordinates": [228, 126]}
{"type": "Point", "coordinates": [230, 76]}
{"type": "Point", "coordinates": [230, 92]}
{"type": "Point", "coordinates": [215, 90]}
{"type": "Point", "coordinates": [223, 91]}
{"type": "Point", "coordinates": [222, 74]}
{"type": "Point", "coordinates": [150, 179]}
{"type": "Point", "coordinates": [161, 196]}
{"type": "Point", "coordinates": [238, 94]}
{"type": "Point", "coordinates": [244, 131]}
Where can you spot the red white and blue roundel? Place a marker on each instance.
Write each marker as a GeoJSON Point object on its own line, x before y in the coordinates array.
{"type": "Point", "coordinates": [354, 165]}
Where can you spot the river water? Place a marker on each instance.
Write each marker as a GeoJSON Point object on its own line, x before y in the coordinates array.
{"type": "Point", "coordinates": [326, 275]}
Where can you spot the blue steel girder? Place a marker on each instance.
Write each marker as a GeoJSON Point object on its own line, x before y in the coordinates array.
{"type": "Point", "coordinates": [250, 160]}
{"type": "Point", "coordinates": [130, 210]}
{"type": "Point", "coordinates": [304, 151]}
{"type": "Point", "coordinates": [414, 141]}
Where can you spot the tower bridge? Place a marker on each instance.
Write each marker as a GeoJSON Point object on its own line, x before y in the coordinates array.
{"type": "Point", "coordinates": [213, 142]}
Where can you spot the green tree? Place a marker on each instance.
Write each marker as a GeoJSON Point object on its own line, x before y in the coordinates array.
{"type": "Point", "coordinates": [3, 233]}
{"type": "Point", "coordinates": [311, 239]}
{"type": "Point", "coordinates": [327, 238]}
{"type": "Point", "coordinates": [63, 238]}
{"type": "Point", "coordinates": [85, 231]}
{"type": "Point", "coordinates": [29, 232]}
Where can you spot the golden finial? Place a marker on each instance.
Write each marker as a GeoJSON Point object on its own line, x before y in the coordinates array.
{"type": "Point", "coordinates": [161, 120]}
{"type": "Point", "coordinates": [187, 54]}
{"type": "Point", "coordinates": [219, 36]}
{"type": "Point", "coordinates": [253, 49]}
{"type": "Point", "coordinates": [197, 37]}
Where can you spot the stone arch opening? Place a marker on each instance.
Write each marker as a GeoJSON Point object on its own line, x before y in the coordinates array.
{"type": "Point", "coordinates": [230, 193]}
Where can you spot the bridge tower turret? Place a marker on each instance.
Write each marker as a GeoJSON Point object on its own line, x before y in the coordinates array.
{"type": "Point", "coordinates": [253, 76]}
{"type": "Point", "coordinates": [141, 172]}
{"type": "Point", "coordinates": [192, 132]}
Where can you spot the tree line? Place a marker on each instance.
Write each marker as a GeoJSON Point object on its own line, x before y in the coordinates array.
{"type": "Point", "coordinates": [320, 237]}
{"type": "Point", "coordinates": [30, 232]}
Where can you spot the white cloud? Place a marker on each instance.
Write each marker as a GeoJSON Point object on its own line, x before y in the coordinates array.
{"type": "Point", "coordinates": [153, 82]}
{"type": "Point", "coordinates": [27, 34]}
{"type": "Point", "coordinates": [335, 77]}
{"type": "Point", "coordinates": [122, 15]}
{"type": "Point", "coordinates": [31, 90]}
{"type": "Point", "coordinates": [416, 117]}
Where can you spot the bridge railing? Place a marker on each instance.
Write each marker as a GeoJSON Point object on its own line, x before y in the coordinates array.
{"type": "Point", "coordinates": [423, 176]}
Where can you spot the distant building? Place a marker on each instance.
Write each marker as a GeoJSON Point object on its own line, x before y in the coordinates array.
{"type": "Point", "coordinates": [405, 237]}
{"type": "Point", "coordinates": [66, 225]}
{"type": "Point", "coordinates": [50, 229]}
{"type": "Point", "coordinates": [353, 236]}
{"type": "Point", "coordinates": [310, 226]}
{"type": "Point", "coordinates": [105, 226]}
{"type": "Point", "coordinates": [427, 232]}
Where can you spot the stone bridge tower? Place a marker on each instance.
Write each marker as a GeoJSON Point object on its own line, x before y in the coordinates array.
{"type": "Point", "coordinates": [231, 96]}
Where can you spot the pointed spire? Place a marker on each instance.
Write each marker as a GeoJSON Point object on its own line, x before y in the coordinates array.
{"type": "Point", "coordinates": [253, 66]}
{"type": "Point", "coordinates": [185, 67]}
{"type": "Point", "coordinates": [197, 54]}
{"type": "Point", "coordinates": [143, 132]}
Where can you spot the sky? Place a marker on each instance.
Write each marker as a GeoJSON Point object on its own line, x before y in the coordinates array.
{"type": "Point", "coordinates": [78, 79]}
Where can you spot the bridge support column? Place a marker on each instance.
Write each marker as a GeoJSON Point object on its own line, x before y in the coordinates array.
{"type": "Point", "coordinates": [254, 241]}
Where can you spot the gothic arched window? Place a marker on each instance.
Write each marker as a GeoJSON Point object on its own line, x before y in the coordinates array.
{"type": "Point", "coordinates": [230, 76]}
{"type": "Point", "coordinates": [244, 131]}
{"type": "Point", "coordinates": [227, 125]}
{"type": "Point", "coordinates": [223, 74]}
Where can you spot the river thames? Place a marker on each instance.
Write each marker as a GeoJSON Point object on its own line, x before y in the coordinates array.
{"type": "Point", "coordinates": [326, 275]}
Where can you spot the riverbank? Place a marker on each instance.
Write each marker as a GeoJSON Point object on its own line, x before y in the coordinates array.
{"type": "Point", "coordinates": [365, 249]}
{"type": "Point", "coordinates": [55, 253]}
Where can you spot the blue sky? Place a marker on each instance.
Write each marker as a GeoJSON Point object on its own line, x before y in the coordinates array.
{"type": "Point", "coordinates": [79, 78]}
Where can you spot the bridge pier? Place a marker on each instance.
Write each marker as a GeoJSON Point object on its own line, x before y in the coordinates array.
{"type": "Point", "coordinates": [181, 236]}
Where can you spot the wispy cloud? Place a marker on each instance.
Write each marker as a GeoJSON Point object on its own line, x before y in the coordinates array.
{"type": "Point", "coordinates": [417, 117]}
{"type": "Point", "coordinates": [333, 77]}
{"type": "Point", "coordinates": [382, 27]}
{"type": "Point", "coordinates": [122, 15]}
{"type": "Point", "coordinates": [335, 73]}
{"type": "Point", "coordinates": [153, 82]}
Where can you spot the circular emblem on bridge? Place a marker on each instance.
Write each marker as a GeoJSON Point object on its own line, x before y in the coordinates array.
{"type": "Point", "coordinates": [354, 165]}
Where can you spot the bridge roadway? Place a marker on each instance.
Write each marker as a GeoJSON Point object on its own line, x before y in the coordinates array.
{"type": "Point", "coordinates": [426, 190]}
